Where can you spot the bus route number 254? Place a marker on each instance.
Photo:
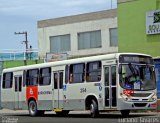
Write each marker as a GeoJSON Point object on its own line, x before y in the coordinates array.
{"type": "Point", "coordinates": [83, 90]}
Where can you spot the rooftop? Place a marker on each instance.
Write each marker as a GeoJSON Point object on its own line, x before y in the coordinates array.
{"type": "Point", "coordinates": [78, 18]}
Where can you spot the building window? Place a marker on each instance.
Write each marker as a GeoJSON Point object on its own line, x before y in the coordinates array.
{"type": "Point", "coordinates": [60, 43]}
{"type": "Point", "coordinates": [7, 80]}
{"type": "Point", "coordinates": [87, 40]}
{"type": "Point", "coordinates": [45, 76]}
{"type": "Point", "coordinates": [113, 37]}
{"type": "Point", "coordinates": [93, 73]}
{"type": "Point", "coordinates": [77, 73]}
{"type": "Point", "coordinates": [32, 77]}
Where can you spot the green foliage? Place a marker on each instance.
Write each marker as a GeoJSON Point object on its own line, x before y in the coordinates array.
{"type": "Point", "coordinates": [16, 63]}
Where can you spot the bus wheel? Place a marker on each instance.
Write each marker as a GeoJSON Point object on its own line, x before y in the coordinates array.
{"type": "Point", "coordinates": [33, 108]}
{"type": "Point", "coordinates": [125, 113]}
{"type": "Point", "coordinates": [94, 109]}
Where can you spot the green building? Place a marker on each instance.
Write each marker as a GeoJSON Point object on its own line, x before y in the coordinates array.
{"type": "Point", "coordinates": [139, 26]}
{"type": "Point", "coordinates": [139, 29]}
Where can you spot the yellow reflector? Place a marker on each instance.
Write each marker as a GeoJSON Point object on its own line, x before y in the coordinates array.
{"type": "Point", "coordinates": [57, 109]}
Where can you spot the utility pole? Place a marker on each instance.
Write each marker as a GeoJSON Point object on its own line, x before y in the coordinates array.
{"type": "Point", "coordinates": [26, 41]}
{"type": "Point", "coordinates": [111, 4]}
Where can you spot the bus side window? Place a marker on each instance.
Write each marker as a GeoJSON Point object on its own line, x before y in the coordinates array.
{"type": "Point", "coordinates": [7, 80]}
{"type": "Point", "coordinates": [77, 73]}
{"type": "Point", "coordinates": [32, 77]}
{"type": "Point", "coordinates": [93, 72]}
{"type": "Point", "coordinates": [45, 76]}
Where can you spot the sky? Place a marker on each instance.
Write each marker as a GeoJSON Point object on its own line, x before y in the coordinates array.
{"type": "Point", "coordinates": [22, 15]}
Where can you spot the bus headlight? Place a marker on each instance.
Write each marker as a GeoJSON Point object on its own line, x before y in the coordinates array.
{"type": "Point", "coordinates": [153, 98]}
{"type": "Point", "coordinates": [125, 97]}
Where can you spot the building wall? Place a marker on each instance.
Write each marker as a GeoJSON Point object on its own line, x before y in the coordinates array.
{"type": "Point", "coordinates": [86, 23]}
{"type": "Point", "coordinates": [132, 27]}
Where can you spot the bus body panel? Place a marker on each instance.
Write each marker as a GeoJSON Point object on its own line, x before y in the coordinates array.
{"type": "Point", "coordinates": [72, 91]}
{"type": "Point", "coordinates": [45, 97]}
{"type": "Point", "coordinates": [8, 98]}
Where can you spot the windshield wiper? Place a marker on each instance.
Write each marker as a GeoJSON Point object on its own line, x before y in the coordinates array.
{"type": "Point", "coordinates": [133, 70]}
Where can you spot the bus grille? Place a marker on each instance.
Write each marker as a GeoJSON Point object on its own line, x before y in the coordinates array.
{"type": "Point", "coordinates": [140, 94]}
{"type": "Point", "coordinates": [140, 104]}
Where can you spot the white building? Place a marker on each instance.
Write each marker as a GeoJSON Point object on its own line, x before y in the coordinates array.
{"type": "Point", "coordinates": [79, 35]}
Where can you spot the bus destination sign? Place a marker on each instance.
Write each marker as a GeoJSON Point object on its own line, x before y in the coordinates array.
{"type": "Point", "coordinates": [135, 59]}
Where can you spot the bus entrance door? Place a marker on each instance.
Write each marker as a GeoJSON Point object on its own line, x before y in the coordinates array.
{"type": "Point", "coordinates": [58, 90]}
{"type": "Point", "coordinates": [18, 91]}
{"type": "Point", "coordinates": [110, 86]}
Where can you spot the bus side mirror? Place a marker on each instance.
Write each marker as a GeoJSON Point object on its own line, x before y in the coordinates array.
{"type": "Point", "coordinates": [120, 69]}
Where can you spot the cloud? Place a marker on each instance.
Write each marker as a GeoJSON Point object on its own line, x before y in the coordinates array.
{"type": "Point", "coordinates": [48, 8]}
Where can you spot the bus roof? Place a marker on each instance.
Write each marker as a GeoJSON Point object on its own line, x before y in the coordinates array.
{"type": "Point", "coordinates": [71, 61]}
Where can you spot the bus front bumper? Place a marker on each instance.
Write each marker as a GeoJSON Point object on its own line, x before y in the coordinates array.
{"type": "Point", "coordinates": [135, 105]}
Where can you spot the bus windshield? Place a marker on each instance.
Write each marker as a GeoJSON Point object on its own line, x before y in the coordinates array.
{"type": "Point", "coordinates": [137, 76]}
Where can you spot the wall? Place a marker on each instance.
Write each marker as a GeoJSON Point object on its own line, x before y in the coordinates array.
{"type": "Point", "coordinates": [132, 27]}
{"type": "Point", "coordinates": [82, 23]}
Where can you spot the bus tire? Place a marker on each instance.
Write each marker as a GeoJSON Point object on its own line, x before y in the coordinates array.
{"type": "Point", "coordinates": [125, 113]}
{"type": "Point", "coordinates": [33, 108]}
{"type": "Point", "coordinates": [94, 109]}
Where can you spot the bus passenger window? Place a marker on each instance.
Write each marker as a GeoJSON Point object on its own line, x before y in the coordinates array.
{"type": "Point", "coordinates": [7, 80]}
{"type": "Point", "coordinates": [45, 78]}
{"type": "Point", "coordinates": [77, 73]}
{"type": "Point", "coordinates": [32, 77]}
{"type": "Point", "coordinates": [93, 71]}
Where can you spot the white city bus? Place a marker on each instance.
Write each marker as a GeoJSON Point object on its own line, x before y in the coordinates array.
{"type": "Point", "coordinates": [120, 81]}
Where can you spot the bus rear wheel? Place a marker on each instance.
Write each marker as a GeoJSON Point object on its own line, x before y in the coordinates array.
{"type": "Point", "coordinates": [33, 108]}
{"type": "Point", "coordinates": [94, 109]}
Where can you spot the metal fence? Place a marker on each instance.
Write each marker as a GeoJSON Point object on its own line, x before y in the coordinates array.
{"type": "Point", "coordinates": [6, 55]}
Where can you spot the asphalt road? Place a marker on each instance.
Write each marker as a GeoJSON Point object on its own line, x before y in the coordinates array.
{"type": "Point", "coordinates": [79, 118]}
